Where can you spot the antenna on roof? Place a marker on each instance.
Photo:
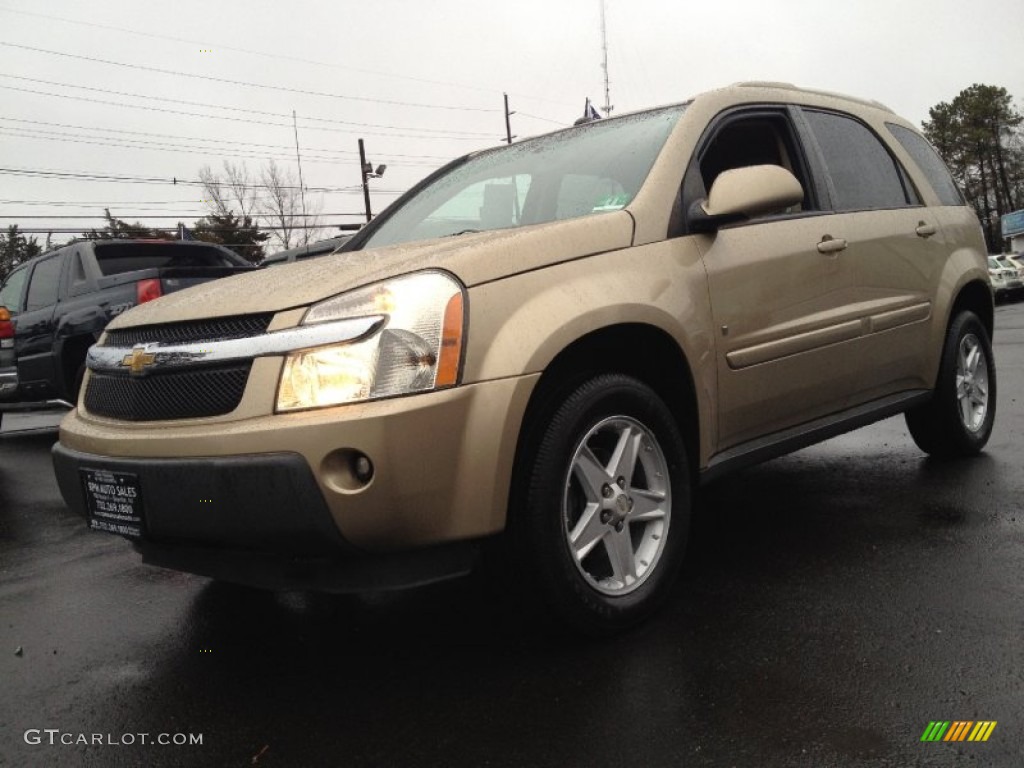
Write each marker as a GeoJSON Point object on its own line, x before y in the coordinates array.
{"type": "Point", "coordinates": [607, 108]}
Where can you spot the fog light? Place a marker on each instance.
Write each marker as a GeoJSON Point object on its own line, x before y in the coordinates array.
{"type": "Point", "coordinates": [363, 468]}
{"type": "Point", "coordinates": [347, 470]}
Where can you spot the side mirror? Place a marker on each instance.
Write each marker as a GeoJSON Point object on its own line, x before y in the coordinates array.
{"type": "Point", "coordinates": [742, 193]}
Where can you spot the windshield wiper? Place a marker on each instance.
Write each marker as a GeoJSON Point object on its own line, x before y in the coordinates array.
{"type": "Point", "coordinates": [464, 232]}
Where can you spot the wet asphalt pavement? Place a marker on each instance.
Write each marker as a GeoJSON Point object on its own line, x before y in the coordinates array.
{"type": "Point", "coordinates": [834, 602]}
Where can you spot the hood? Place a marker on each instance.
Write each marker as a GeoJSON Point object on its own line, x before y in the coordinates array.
{"type": "Point", "coordinates": [473, 258]}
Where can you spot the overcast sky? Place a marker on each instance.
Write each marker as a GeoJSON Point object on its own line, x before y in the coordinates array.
{"type": "Point", "coordinates": [421, 82]}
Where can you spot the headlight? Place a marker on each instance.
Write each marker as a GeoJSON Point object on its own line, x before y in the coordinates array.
{"type": "Point", "coordinates": [418, 348]}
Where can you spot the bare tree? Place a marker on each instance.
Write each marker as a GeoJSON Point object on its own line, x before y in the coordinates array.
{"type": "Point", "coordinates": [274, 198]}
{"type": "Point", "coordinates": [236, 188]}
{"type": "Point", "coordinates": [281, 205]}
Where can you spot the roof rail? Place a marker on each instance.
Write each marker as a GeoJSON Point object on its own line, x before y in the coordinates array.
{"type": "Point", "coordinates": [815, 91]}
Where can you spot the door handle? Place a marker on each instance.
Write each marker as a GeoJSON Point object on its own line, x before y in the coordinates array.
{"type": "Point", "coordinates": [925, 230]}
{"type": "Point", "coordinates": [831, 244]}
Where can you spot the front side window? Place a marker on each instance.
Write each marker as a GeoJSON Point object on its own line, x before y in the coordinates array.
{"type": "Point", "coordinates": [581, 171]}
{"type": "Point", "coordinates": [864, 174]}
{"type": "Point", "coordinates": [10, 293]}
{"type": "Point", "coordinates": [754, 139]}
{"type": "Point", "coordinates": [42, 290]}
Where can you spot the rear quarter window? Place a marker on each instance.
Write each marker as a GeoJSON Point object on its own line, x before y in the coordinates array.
{"type": "Point", "coordinates": [931, 165]}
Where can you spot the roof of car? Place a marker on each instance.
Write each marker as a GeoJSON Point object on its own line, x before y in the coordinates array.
{"type": "Point", "coordinates": [742, 91]}
{"type": "Point", "coordinates": [772, 85]}
{"type": "Point", "coordinates": [121, 241]}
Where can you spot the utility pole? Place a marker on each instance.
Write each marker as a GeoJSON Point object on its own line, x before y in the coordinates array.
{"type": "Point", "coordinates": [508, 122]}
{"type": "Point", "coordinates": [607, 108]}
{"type": "Point", "coordinates": [366, 169]}
{"type": "Point", "coordinates": [366, 187]}
{"type": "Point", "coordinates": [302, 187]}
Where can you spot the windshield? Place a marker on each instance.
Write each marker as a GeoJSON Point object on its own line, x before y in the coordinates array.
{"type": "Point", "coordinates": [586, 170]}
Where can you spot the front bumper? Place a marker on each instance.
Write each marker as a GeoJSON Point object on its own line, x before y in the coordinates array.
{"type": "Point", "coordinates": [267, 502]}
{"type": "Point", "coordinates": [442, 463]}
{"type": "Point", "coordinates": [263, 523]}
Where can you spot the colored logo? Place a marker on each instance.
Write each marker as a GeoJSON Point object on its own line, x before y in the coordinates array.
{"type": "Point", "coordinates": [958, 730]}
{"type": "Point", "coordinates": [138, 360]}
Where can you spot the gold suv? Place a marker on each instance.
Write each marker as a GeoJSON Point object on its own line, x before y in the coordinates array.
{"type": "Point", "coordinates": [557, 340]}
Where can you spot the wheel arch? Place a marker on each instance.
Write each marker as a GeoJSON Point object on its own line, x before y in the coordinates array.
{"type": "Point", "coordinates": [72, 356]}
{"type": "Point", "coordinates": [975, 296]}
{"type": "Point", "coordinates": [613, 349]}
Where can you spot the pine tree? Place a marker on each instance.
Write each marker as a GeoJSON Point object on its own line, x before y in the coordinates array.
{"type": "Point", "coordinates": [241, 235]}
{"type": "Point", "coordinates": [15, 249]}
{"type": "Point", "coordinates": [116, 229]}
{"type": "Point", "coordinates": [978, 134]}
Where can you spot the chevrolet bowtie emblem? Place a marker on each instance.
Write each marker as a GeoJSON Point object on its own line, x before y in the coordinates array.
{"type": "Point", "coordinates": [138, 360]}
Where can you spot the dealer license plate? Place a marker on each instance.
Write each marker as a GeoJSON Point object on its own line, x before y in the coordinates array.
{"type": "Point", "coordinates": [113, 501]}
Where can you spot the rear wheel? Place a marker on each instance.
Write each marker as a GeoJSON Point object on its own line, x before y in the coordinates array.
{"type": "Point", "coordinates": [602, 529]}
{"type": "Point", "coordinates": [958, 420]}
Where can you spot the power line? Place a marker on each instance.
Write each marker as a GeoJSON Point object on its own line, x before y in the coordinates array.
{"type": "Point", "coordinates": [73, 230]}
{"type": "Point", "coordinates": [231, 142]}
{"type": "Point", "coordinates": [446, 132]}
{"type": "Point", "coordinates": [123, 216]}
{"type": "Point", "coordinates": [278, 56]}
{"type": "Point", "coordinates": [247, 121]}
{"type": "Point", "coordinates": [104, 141]}
{"type": "Point", "coordinates": [143, 205]}
{"type": "Point", "coordinates": [545, 119]}
{"type": "Point", "coordinates": [207, 151]}
{"type": "Point", "coordinates": [228, 81]}
{"type": "Point", "coordinates": [174, 181]}
{"type": "Point", "coordinates": [96, 202]}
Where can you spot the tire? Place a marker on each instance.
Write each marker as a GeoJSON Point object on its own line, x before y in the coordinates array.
{"type": "Point", "coordinates": [600, 531]}
{"type": "Point", "coordinates": [958, 420]}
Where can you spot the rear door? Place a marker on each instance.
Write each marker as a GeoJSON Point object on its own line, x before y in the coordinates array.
{"type": "Point", "coordinates": [893, 246]}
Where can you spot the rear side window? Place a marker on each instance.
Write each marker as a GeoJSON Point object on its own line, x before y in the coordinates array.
{"type": "Point", "coordinates": [115, 258]}
{"type": "Point", "coordinates": [10, 293]}
{"type": "Point", "coordinates": [42, 289]}
{"type": "Point", "coordinates": [864, 174]}
{"type": "Point", "coordinates": [930, 163]}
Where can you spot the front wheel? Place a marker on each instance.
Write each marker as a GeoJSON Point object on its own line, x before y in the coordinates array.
{"type": "Point", "coordinates": [958, 419]}
{"type": "Point", "coordinates": [602, 529]}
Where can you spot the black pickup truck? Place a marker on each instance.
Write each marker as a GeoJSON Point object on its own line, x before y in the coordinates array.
{"type": "Point", "coordinates": [57, 304]}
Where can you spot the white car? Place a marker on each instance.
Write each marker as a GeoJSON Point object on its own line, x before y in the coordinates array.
{"type": "Point", "coordinates": [1005, 280]}
{"type": "Point", "coordinates": [1015, 260]}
